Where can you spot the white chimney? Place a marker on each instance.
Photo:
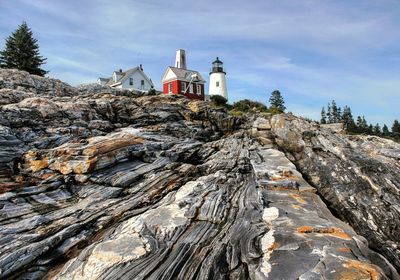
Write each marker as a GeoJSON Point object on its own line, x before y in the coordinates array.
{"type": "Point", "coordinates": [180, 60]}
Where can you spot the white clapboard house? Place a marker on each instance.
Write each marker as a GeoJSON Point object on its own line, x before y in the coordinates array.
{"type": "Point", "coordinates": [133, 78]}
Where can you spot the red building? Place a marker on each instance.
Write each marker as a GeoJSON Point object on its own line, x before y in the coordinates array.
{"type": "Point", "coordinates": [179, 80]}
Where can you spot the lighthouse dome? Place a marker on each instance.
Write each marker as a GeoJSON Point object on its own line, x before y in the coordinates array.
{"type": "Point", "coordinates": [217, 66]}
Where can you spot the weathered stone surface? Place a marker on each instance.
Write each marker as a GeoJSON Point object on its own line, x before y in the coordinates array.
{"type": "Point", "coordinates": [107, 184]}
{"type": "Point", "coordinates": [357, 175]}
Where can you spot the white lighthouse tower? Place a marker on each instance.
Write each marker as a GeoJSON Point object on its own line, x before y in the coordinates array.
{"type": "Point", "coordinates": [218, 80]}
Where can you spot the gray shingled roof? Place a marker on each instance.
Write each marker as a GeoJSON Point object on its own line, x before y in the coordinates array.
{"type": "Point", "coordinates": [185, 74]}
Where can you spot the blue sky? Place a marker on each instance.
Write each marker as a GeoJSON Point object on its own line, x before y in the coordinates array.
{"type": "Point", "coordinates": [312, 51]}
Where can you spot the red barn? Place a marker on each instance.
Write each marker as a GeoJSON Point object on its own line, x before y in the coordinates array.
{"type": "Point", "coordinates": [179, 80]}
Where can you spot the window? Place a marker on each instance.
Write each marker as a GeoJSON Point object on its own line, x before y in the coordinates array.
{"type": "Point", "coordinates": [217, 84]}
{"type": "Point", "coordinates": [142, 84]}
{"type": "Point", "coordinates": [131, 81]}
{"type": "Point", "coordinates": [183, 87]}
{"type": "Point", "coordinates": [198, 89]}
{"type": "Point", "coordinates": [191, 88]}
{"type": "Point", "coordinates": [170, 88]}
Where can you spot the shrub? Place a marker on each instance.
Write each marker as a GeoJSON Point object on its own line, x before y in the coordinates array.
{"type": "Point", "coordinates": [152, 91]}
{"type": "Point", "coordinates": [218, 100]}
{"type": "Point", "coordinates": [247, 105]}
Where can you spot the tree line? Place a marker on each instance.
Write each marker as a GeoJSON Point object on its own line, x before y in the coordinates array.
{"type": "Point", "coordinates": [335, 114]}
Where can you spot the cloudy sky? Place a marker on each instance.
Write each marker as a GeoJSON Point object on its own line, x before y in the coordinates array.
{"type": "Point", "coordinates": [313, 51]}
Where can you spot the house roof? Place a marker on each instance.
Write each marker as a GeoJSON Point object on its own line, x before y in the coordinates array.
{"type": "Point", "coordinates": [125, 75]}
{"type": "Point", "coordinates": [183, 74]}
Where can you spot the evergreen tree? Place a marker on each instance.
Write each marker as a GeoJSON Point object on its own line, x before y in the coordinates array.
{"type": "Point", "coordinates": [276, 101]}
{"type": "Point", "coordinates": [348, 120]}
{"type": "Point", "coordinates": [385, 130]}
{"type": "Point", "coordinates": [377, 129]}
{"type": "Point", "coordinates": [396, 127]}
{"type": "Point", "coordinates": [370, 129]}
{"type": "Point", "coordinates": [323, 116]}
{"type": "Point", "coordinates": [364, 125]}
{"type": "Point", "coordinates": [359, 124]}
{"type": "Point", "coordinates": [22, 52]}
{"type": "Point", "coordinates": [335, 118]}
{"type": "Point", "coordinates": [339, 115]}
{"type": "Point", "coordinates": [329, 114]}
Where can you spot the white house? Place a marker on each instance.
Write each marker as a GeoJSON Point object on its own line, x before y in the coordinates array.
{"type": "Point", "coordinates": [133, 78]}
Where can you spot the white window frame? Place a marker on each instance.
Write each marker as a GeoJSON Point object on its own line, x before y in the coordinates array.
{"type": "Point", "coordinates": [217, 83]}
{"type": "Point", "coordinates": [142, 84]}
{"type": "Point", "coordinates": [169, 87]}
{"type": "Point", "coordinates": [131, 81]}
{"type": "Point", "coordinates": [191, 88]}
{"type": "Point", "coordinates": [183, 86]}
{"type": "Point", "coordinates": [198, 89]}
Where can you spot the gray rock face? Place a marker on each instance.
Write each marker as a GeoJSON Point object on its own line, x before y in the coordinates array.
{"type": "Point", "coordinates": [122, 186]}
{"type": "Point", "coordinates": [357, 175]}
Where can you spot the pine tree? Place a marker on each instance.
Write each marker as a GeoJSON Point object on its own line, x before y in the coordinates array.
{"type": "Point", "coordinates": [377, 129]}
{"type": "Point", "coordinates": [348, 121]}
{"type": "Point", "coordinates": [385, 130]}
{"type": "Point", "coordinates": [334, 112]}
{"type": "Point", "coordinates": [329, 114]}
{"type": "Point", "coordinates": [22, 52]}
{"type": "Point", "coordinates": [370, 129]}
{"type": "Point", "coordinates": [364, 125]}
{"type": "Point", "coordinates": [323, 116]}
{"type": "Point", "coordinates": [359, 125]}
{"type": "Point", "coordinates": [339, 115]}
{"type": "Point", "coordinates": [396, 127]}
{"type": "Point", "coordinates": [276, 101]}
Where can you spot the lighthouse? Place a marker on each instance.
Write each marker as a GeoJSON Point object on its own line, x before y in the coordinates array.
{"type": "Point", "coordinates": [218, 80]}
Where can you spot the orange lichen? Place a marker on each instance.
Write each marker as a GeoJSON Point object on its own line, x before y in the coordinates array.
{"type": "Point", "coordinates": [298, 198]}
{"type": "Point", "coordinates": [273, 246]}
{"type": "Point", "coordinates": [37, 165]}
{"type": "Point", "coordinates": [305, 229]}
{"type": "Point", "coordinates": [334, 232]}
{"type": "Point", "coordinates": [339, 233]}
{"type": "Point", "coordinates": [287, 173]}
{"type": "Point", "coordinates": [359, 270]}
{"type": "Point", "coordinates": [47, 176]}
{"type": "Point", "coordinates": [297, 207]}
{"type": "Point", "coordinates": [344, 249]}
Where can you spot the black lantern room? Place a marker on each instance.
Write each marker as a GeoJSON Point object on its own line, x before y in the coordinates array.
{"type": "Point", "coordinates": [217, 66]}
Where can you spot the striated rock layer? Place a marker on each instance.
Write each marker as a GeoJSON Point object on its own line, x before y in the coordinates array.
{"type": "Point", "coordinates": [358, 176]}
{"type": "Point", "coordinates": [108, 184]}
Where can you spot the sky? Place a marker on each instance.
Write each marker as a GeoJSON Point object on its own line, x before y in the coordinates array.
{"type": "Point", "coordinates": [313, 51]}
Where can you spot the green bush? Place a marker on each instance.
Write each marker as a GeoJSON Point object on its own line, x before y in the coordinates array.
{"type": "Point", "coordinates": [152, 91]}
{"type": "Point", "coordinates": [218, 100]}
{"type": "Point", "coordinates": [247, 105]}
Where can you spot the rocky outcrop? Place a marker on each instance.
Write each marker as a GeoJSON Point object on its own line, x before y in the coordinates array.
{"type": "Point", "coordinates": [358, 176]}
{"type": "Point", "coordinates": [123, 186]}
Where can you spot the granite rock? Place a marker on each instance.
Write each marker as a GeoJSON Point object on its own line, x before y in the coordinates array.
{"type": "Point", "coordinates": [108, 184]}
